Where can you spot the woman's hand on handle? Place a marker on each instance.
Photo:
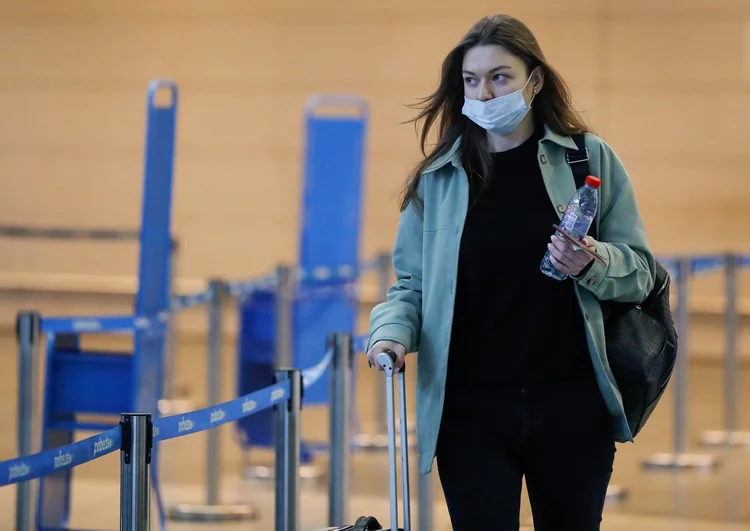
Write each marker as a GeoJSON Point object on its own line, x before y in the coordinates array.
{"type": "Point", "coordinates": [383, 346]}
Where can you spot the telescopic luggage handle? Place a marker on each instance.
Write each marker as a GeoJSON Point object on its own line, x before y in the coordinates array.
{"type": "Point", "coordinates": [387, 359]}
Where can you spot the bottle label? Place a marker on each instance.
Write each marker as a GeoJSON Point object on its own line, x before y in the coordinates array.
{"type": "Point", "coordinates": [568, 221]}
{"type": "Point", "coordinates": [576, 223]}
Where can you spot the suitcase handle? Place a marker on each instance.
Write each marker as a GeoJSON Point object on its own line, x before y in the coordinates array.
{"type": "Point", "coordinates": [387, 360]}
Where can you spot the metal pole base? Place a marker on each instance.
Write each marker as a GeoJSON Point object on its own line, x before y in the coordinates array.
{"type": "Point", "coordinates": [615, 494]}
{"type": "Point", "coordinates": [681, 461]}
{"type": "Point", "coordinates": [726, 438]}
{"type": "Point", "coordinates": [376, 443]}
{"type": "Point", "coordinates": [212, 513]}
{"type": "Point", "coordinates": [364, 441]}
{"type": "Point", "coordinates": [266, 473]}
{"type": "Point", "coordinates": [379, 441]}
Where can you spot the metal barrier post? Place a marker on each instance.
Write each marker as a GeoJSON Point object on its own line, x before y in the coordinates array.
{"type": "Point", "coordinates": [284, 357]}
{"type": "Point", "coordinates": [212, 511]}
{"type": "Point", "coordinates": [340, 451]}
{"type": "Point", "coordinates": [135, 458]}
{"type": "Point", "coordinates": [28, 328]}
{"type": "Point", "coordinates": [730, 436]}
{"type": "Point", "coordinates": [284, 297]}
{"type": "Point", "coordinates": [288, 452]}
{"type": "Point", "coordinates": [679, 459]}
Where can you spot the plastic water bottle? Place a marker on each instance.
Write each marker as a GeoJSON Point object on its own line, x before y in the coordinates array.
{"type": "Point", "coordinates": [577, 220]}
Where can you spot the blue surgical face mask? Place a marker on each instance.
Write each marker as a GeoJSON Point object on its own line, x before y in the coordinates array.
{"type": "Point", "coordinates": [500, 115]}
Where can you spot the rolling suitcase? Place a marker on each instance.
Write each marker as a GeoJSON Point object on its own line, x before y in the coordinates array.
{"type": "Point", "coordinates": [370, 523]}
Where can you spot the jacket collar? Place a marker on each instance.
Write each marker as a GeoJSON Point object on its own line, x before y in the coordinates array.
{"type": "Point", "coordinates": [453, 155]}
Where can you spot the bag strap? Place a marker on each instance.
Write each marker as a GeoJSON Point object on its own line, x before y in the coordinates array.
{"type": "Point", "coordinates": [578, 160]}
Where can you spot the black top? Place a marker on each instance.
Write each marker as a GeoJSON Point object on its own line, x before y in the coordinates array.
{"type": "Point", "coordinates": [514, 327]}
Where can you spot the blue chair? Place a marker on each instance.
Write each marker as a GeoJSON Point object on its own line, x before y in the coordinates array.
{"type": "Point", "coordinates": [329, 256]}
{"type": "Point", "coordinates": [88, 389]}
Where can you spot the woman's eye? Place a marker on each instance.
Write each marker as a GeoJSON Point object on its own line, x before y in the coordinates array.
{"type": "Point", "coordinates": [470, 81]}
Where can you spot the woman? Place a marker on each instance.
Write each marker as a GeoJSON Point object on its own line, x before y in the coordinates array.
{"type": "Point", "coordinates": [512, 379]}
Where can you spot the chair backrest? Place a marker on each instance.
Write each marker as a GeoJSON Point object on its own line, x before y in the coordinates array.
{"type": "Point", "coordinates": [330, 225]}
{"type": "Point", "coordinates": [154, 266]}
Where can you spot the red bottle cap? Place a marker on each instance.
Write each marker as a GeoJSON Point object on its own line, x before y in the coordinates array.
{"type": "Point", "coordinates": [593, 182]}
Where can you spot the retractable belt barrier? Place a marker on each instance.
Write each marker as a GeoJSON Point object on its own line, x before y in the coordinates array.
{"type": "Point", "coordinates": [59, 457]}
{"type": "Point", "coordinates": [136, 434]}
{"type": "Point", "coordinates": [72, 455]}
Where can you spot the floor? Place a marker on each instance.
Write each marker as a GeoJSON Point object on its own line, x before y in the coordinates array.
{"type": "Point", "coordinates": [689, 500]}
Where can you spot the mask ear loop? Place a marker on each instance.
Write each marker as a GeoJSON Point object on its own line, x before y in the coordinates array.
{"type": "Point", "coordinates": [533, 92]}
{"type": "Point", "coordinates": [533, 95]}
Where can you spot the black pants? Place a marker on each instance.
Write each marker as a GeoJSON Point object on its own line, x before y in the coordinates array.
{"type": "Point", "coordinates": [559, 439]}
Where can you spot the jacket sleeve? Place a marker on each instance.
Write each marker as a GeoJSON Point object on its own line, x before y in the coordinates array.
{"type": "Point", "coordinates": [629, 277]}
{"type": "Point", "coordinates": [399, 318]}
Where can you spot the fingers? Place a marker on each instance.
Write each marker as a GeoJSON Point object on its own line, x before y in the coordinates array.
{"type": "Point", "coordinates": [566, 259]}
{"type": "Point", "coordinates": [590, 242]}
{"type": "Point", "coordinates": [559, 263]}
{"type": "Point", "coordinates": [399, 350]}
{"type": "Point", "coordinates": [385, 346]}
{"type": "Point", "coordinates": [400, 360]}
{"type": "Point", "coordinates": [562, 252]}
{"type": "Point", "coordinates": [372, 356]}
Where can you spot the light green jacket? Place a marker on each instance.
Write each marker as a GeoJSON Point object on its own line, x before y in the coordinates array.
{"type": "Point", "coordinates": [418, 312]}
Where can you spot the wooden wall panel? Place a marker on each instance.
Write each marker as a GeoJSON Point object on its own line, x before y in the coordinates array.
{"type": "Point", "coordinates": [677, 10]}
{"type": "Point", "coordinates": [691, 206]}
{"type": "Point", "coordinates": [664, 82]}
{"type": "Point", "coordinates": [696, 125]}
{"type": "Point", "coordinates": [46, 186]}
{"type": "Point", "coordinates": [227, 12]}
{"type": "Point", "coordinates": [676, 90]}
{"type": "Point", "coordinates": [673, 56]}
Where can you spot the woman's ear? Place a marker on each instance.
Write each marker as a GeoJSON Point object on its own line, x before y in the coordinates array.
{"type": "Point", "coordinates": [537, 80]}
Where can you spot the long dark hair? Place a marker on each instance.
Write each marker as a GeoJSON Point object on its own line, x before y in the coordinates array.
{"type": "Point", "coordinates": [553, 105]}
